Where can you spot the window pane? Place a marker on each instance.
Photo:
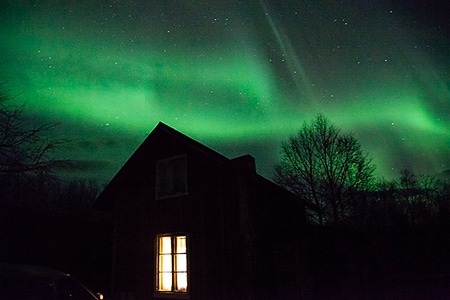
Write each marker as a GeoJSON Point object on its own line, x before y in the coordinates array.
{"type": "Point", "coordinates": [165, 281]}
{"type": "Point", "coordinates": [165, 245]}
{"type": "Point", "coordinates": [181, 244]}
{"type": "Point", "coordinates": [180, 263]}
{"type": "Point", "coordinates": [171, 177]}
{"type": "Point", "coordinates": [179, 176]}
{"type": "Point", "coordinates": [165, 263]}
{"type": "Point", "coordinates": [181, 282]}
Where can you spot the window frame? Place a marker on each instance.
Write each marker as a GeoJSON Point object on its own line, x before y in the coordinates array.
{"type": "Point", "coordinates": [159, 177]}
{"type": "Point", "coordinates": [173, 293]}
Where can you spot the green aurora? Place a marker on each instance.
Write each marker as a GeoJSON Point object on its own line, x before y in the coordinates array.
{"type": "Point", "coordinates": [237, 77]}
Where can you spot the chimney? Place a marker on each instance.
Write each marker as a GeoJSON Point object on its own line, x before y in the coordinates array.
{"type": "Point", "coordinates": [245, 161]}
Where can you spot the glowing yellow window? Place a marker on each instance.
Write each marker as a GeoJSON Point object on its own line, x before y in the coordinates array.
{"type": "Point", "coordinates": [172, 264]}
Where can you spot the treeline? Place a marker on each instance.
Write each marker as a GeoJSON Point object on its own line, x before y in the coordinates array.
{"type": "Point", "coordinates": [412, 200]}
{"type": "Point", "coordinates": [51, 197]}
{"type": "Point", "coordinates": [335, 179]}
{"type": "Point", "coordinates": [51, 222]}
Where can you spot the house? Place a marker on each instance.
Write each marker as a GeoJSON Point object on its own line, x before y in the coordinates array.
{"type": "Point", "coordinates": [190, 223]}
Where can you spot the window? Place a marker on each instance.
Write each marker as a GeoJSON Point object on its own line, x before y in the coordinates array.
{"type": "Point", "coordinates": [172, 264]}
{"type": "Point", "coordinates": [171, 178]}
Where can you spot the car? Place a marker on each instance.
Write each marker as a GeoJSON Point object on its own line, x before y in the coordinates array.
{"type": "Point", "coordinates": [29, 282]}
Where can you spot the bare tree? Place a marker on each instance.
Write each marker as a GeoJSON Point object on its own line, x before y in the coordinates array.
{"type": "Point", "coordinates": [326, 169]}
{"type": "Point", "coordinates": [25, 148]}
{"type": "Point", "coordinates": [418, 197]}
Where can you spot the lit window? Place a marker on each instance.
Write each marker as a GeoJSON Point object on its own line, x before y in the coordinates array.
{"type": "Point", "coordinates": [172, 264]}
{"type": "Point", "coordinates": [171, 177]}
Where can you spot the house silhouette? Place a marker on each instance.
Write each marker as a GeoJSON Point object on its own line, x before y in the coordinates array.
{"type": "Point", "coordinates": [190, 223]}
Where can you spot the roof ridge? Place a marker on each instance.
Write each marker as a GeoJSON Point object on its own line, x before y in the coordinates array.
{"type": "Point", "coordinates": [200, 146]}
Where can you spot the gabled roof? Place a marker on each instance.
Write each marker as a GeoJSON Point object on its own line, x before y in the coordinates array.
{"type": "Point", "coordinates": [106, 199]}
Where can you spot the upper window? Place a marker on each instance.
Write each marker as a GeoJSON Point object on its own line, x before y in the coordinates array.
{"type": "Point", "coordinates": [172, 264]}
{"type": "Point", "coordinates": [171, 177]}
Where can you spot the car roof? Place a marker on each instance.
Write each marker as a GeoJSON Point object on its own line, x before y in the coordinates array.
{"type": "Point", "coordinates": [12, 271]}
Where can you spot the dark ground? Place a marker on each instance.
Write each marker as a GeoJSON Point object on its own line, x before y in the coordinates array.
{"type": "Point", "coordinates": [394, 263]}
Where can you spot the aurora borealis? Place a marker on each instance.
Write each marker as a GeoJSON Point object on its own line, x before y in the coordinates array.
{"type": "Point", "coordinates": [238, 76]}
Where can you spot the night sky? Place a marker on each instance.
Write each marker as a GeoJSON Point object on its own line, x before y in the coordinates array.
{"type": "Point", "coordinates": [238, 76]}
